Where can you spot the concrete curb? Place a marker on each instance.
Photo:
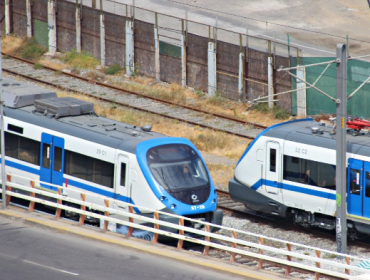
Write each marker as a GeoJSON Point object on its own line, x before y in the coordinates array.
{"type": "Point", "coordinates": [66, 226]}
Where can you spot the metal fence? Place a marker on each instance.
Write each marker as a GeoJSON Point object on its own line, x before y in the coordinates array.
{"type": "Point", "coordinates": [237, 243]}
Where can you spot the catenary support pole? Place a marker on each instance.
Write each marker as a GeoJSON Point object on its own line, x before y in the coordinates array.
{"type": "Point", "coordinates": [341, 146]}
{"type": "Point", "coordinates": [3, 175]}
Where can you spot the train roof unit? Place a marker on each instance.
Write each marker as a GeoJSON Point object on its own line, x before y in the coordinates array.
{"type": "Point", "coordinates": [69, 115]}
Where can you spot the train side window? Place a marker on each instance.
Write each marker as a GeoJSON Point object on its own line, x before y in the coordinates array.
{"type": "Point", "coordinates": [273, 160]}
{"type": "Point", "coordinates": [88, 168]}
{"type": "Point", "coordinates": [15, 128]}
{"type": "Point", "coordinates": [354, 181]}
{"type": "Point", "coordinates": [58, 159]}
{"type": "Point", "coordinates": [22, 148]}
{"type": "Point", "coordinates": [46, 155]}
{"type": "Point", "coordinates": [123, 174]}
{"type": "Point", "coordinates": [367, 184]}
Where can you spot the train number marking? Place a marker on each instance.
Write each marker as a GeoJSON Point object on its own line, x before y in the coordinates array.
{"type": "Point", "coordinates": [195, 207]}
{"type": "Point", "coordinates": [301, 151]}
{"type": "Point", "coordinates": [101, 152]}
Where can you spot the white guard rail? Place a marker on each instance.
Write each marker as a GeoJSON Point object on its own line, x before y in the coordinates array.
{"type": "Point", "coordinates": [290, 256]}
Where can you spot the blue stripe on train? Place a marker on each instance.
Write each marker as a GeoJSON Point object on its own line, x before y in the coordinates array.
{"type": "Point", "coordinates": [294, 188]}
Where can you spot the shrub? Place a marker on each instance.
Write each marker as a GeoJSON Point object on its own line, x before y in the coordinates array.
{"type": "Point", "coordinates": [216, 99]}
{"type": "Point", "coordinates": [82, 60]}
{"type": "Point", "coordinates": [113, 69]}
{"type": "Point", "coordinates": [30, 50]}
{"type": "Point", "coordinates": [38, 66]}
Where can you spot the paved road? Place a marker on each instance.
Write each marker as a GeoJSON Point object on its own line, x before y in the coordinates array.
{"type": "Point", "coordinates": [32, 252]}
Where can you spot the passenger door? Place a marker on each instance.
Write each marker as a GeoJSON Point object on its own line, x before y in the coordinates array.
{"type": "Point", "coordinates": [358, 188]}
{"type": "Point", "coordinates": [51, 160]}
{"type": "Point", "coordinates": [273, 167]}
{"type": "Point", "coordinates": [122, 182]}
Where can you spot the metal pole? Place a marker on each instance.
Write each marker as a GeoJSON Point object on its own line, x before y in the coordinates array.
{"type": "Point", "coordinates": [341, 146]}
{"type": "Point", "coordinates": [3, 176]}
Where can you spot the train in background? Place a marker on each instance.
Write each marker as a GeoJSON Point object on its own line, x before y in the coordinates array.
{"type": "Point", "coordinates": [289, 171]}
{"type": "Point", "coordinates": [53, 139]}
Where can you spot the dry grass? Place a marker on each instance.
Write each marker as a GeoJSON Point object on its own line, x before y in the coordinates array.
{"type": "Point", "coordinates": [204, 139]}
{"type": "Point", "coordinates": [9, 43]}
{"type": "Point", "coordinates": [221, 174]}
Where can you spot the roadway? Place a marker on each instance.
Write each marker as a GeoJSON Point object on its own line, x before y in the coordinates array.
{"type": "Point", "coordinates": [36, 246]}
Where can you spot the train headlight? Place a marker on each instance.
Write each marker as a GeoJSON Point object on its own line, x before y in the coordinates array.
{"type": "Point", "coordinates": [162, 198]}
{"type": "Point", "coordinates": [173, 206]}
{"type": "Point", "coordinates": [213, 200]}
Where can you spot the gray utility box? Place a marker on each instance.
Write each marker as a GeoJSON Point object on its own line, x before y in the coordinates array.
{"type": "Point", "coordinates": [63, 107]}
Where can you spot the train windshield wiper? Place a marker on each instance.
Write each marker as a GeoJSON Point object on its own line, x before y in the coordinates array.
{"type": "Point", "coordinates": [164, 180]}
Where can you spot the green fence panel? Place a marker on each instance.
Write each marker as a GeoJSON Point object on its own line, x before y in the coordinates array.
{"type": "Point", "coordinates": [317, 103]}
{"type": "Point", "coordinates": [168, 49]}
{"type": "Point", "coordinates": [41, 32]}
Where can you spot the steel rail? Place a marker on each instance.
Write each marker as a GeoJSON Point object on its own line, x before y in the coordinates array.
{"type": "Point", "coordinates": [133, 93]}
{"type": "Point", "coordinates": [272, 221]}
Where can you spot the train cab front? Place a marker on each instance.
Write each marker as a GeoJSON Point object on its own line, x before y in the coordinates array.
{"type": "Point", "coordinates": [180, 180]}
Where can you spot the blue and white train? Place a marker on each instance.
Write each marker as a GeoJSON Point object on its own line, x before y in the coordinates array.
{"type": "Point", "coordinates": [54, 139]}
{"type": "Point", "coordinates": [289, 171]}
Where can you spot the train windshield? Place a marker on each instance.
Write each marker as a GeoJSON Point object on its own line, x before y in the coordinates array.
{"type": "Point", "coordinates": [177, 166]}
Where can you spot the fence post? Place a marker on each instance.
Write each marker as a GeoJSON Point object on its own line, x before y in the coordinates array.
{"type": "Point", "coordinates": [156, 226]}
{"type": "Point", "coordinates": [183, 55]}
{"type": "Point", "coordinates": [8, 197]}
{"type": "Point", "coordinates": [102, 40]}
{"type": "Point", "coordinates": [31, 206]}
{"type": "Point", "coordinates": [180, 243]}
{"type": "Point", "coordinates": [212, 69]}
{"type": "Point", "coordinates": [348, 261]}
{"type": "Point", "coordinates": [289, 258]}
{"type": "Point", "coordinates": [59, 210]}
{"type": "Point", "coordinates": [130, 63]}
{"type": "Point", "coordinates": [52, 27]}
{"type": "Point", "coordinates": [7, 17]}
{"type": "Point", "coordinates": [232, 255]}
{"type": "Point", "coordinates": [318, 265]}
{"type": "Point", "coordinates": [156, 50]}
{"type": "Point", "coordinates": [78, 28]}
{"type": "Point", "coordinates": [260, 262]}
{"type": "Point", "coordinates": [106, 213]}
{"type": "Point", "coordinates": [29, 18]}
{"type": "Point", "coordinates": [207, 238]}
{"type": "Point", "coordinates": [131, 220]}
{"type": "Point", "coordinates": [83, 207]}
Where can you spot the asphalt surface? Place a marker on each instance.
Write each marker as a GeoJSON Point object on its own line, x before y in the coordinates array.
{"type": "Point", "coordinates": [37, 246]}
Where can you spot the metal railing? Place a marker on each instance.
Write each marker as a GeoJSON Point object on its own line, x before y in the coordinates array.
{"type": "Point", "coordinates": [262, 249]}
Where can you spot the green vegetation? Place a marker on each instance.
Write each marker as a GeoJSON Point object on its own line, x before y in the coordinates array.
{"type": "Point", "coordinates": [82, 60]}
{"type": "Point", "coordinates": [216, 99]}
{"type": "Point", "coordinates": [113, 69]}
{"type": "Point", "coordinates": [279, 113]}
{"type": "Point", "coordinates": [38, 66]}
{"type": "Point", "coordinates": [30, 50]}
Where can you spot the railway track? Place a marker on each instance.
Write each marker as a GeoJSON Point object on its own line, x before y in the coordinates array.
{"type": "Point", "coordinates": [227, 204]}
{"type": "Point", "coordinates": [122, 97]}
